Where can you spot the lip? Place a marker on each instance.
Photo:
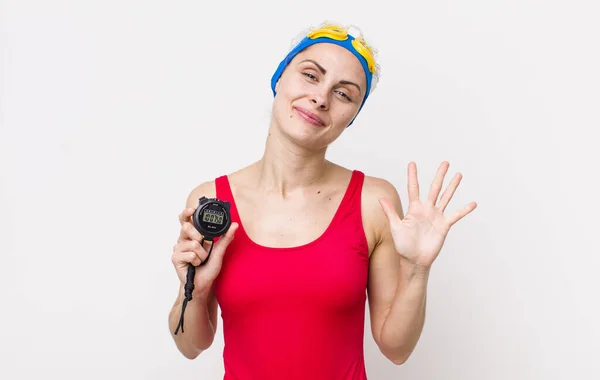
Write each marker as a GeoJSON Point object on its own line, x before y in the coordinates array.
{"type": "Point", "coordinates": [310, 116]}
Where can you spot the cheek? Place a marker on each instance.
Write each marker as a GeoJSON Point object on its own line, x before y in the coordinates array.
{"type": "Point", "coordinates": [286, 95]}
{"type": "Point", "coordinates": [278, 105]}
{"type": "Point", "coordinates": [281, 107]}
{"type": "Point", "coordinates": [347, 113]}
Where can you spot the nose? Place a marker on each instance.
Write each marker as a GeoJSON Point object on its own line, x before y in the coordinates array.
{"type": "Point", "coordinates": [320, 100]}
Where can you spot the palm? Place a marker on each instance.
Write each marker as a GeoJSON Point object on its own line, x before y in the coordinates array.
{"type": "Point", "coordinates": [420, 235]}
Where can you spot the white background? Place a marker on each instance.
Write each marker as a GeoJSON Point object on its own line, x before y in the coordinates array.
{"type": "Point", "coordinates": [112, 111]}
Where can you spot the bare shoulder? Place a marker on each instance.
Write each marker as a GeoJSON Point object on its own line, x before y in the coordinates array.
{"type": "Point", "coordinates": [208, 189]}
{"type": "Point", "coordinates": [205, 189]}
{"type": "Point", "coordinates": [375, 187]}
{"type": "Point", "coordinates": [374, 218]}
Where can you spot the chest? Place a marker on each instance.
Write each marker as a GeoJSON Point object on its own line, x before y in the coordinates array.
{"type": "Point", "coordinates": [290, 222]}
{"type": "Point", "coordinates": [306, 251]}
{"type": "Point", "coordinates": [327, 277]}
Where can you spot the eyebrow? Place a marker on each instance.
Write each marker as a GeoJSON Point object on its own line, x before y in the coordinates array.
{"type": "Point", "coordinates": [323, 71]}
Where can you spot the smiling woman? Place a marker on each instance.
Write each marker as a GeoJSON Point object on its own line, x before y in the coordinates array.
{"type": "Point", "coordinates": [309, 238]}
{"type": "Point", "coordinates": [321, 86]}
{"type": "Point", "coordinates": [363, 66]}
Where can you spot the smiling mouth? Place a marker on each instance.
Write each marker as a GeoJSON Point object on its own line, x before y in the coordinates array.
{"type": "Point", "coordinates": [309, 117]}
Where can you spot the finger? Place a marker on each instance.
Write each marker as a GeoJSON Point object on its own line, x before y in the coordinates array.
{"type": "Point", "coordinates": [389, 211]}
{"type": "Point", "coordinates": [224, 241]}
{"type": "Point", "coordinates": [190, 232]}
{"type": "Point", "coordinates": [228, 237]}
{"type": "Point", "coordinates": [436, 184]}
{"type": "Point", "coordinates": [192, 258]}
{"type": "Point", "coordinates": [458, 215]}
{"type": "Point", "coordinates": [413, 182]}
{"type": "Point", "coordinates": [185, 215]}
{"type": "Point", "coordinates": [192, 246]}
{"type": "Point", "coordinates": [187, 257]}
{"type": "Point", "coordinates": [449, 192]}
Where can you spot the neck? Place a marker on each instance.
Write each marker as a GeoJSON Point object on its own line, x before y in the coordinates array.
{"type": "Point", "coordinates": [286, 167]}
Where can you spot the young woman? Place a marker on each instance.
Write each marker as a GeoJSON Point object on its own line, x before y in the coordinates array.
{"type": "Point", "coordinates": [312, 241]}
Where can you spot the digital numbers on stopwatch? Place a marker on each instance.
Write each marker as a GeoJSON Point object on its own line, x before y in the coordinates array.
{"type": "Point", "coordinates": [212, 216]}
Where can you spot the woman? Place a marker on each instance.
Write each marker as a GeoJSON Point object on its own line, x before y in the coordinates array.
{"type": "Point", "coordinates": [310, 238]}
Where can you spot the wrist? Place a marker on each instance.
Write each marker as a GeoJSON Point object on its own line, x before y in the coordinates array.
{"type": "Point", "coordinates": [198, 294]}
{"type": "Point", "coordinates": [414, 269]}
{"type": "Point", "coordinates": [201, 295]}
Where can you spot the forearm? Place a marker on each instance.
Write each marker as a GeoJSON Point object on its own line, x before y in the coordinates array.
{"type": "Point", "coordinates": [199, 331]}
{"type": "Point", "coordinates": [404, 323]}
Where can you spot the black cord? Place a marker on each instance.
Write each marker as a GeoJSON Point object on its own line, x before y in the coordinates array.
{"type": "Point", "coordinates": [189, 285]}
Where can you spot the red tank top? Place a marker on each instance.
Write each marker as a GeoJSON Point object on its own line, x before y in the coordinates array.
{"type": "Point", "coordinates": [298, 312]}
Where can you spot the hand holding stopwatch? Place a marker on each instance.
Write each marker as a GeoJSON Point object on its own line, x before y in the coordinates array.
{"type": "Point", "coordinates": [212, 219]}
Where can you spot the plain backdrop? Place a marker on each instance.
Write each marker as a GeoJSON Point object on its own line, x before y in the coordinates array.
{"type": "Point", "coordinates": [112, 111]}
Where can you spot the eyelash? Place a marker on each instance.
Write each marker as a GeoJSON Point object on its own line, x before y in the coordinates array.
{"type": "Point", "coordinates": [312, 77]}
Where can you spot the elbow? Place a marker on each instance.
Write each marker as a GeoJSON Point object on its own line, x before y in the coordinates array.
{"type": "Point", "coordinates": [397, 356]}
{"type": "Point", "coordinates": [399, 360]}
{"type": "Point", "coordinates": [398, 351]}
{"type": "Point", "coordinates": [191, 354]}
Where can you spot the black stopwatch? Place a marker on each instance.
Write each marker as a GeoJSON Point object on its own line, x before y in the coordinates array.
{"type": "Point", "coordinates": [212, 219]}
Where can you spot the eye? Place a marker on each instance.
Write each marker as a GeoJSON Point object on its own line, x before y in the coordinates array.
{"type": "Point", "coordinates": [310, 76]}
{"type": "Point", "coordinates": [344, 95]}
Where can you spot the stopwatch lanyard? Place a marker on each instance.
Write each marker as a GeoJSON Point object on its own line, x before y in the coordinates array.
{"type": "Point", "coordinates": [189, 285]}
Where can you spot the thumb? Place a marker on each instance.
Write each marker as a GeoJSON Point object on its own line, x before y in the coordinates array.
{"type": "Point", "coordinates": [389, 211]}
{"type": "Point", "coordinates": [224, 240]}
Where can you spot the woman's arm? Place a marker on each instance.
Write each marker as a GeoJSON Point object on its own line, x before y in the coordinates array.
{"type": "Point", "coordinates": [397, 295]}
{"type": "Point", "coordinates": [201, 311]}
{"type": "Point", "coordinates": [397, 290]}
{"type": "Point", "coordinates": [200, 323]}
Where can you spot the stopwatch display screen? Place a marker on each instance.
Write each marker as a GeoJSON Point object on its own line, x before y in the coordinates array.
{"type": "Point", "coordinates": [213, 216]}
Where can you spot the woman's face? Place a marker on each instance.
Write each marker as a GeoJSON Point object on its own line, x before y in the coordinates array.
{"type": "Point", "coordinates": [318, 95]}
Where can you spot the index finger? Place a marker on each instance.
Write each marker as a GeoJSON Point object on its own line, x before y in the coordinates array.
{"type": "Point", "coordinates": [185, 215]}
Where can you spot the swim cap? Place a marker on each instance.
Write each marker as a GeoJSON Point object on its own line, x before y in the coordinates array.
{"type": "Point", "coordinates": [338, 35]}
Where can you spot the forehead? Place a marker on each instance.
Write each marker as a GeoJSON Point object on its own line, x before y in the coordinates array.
{"type": "Point", "coordinates": [332, 56]}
